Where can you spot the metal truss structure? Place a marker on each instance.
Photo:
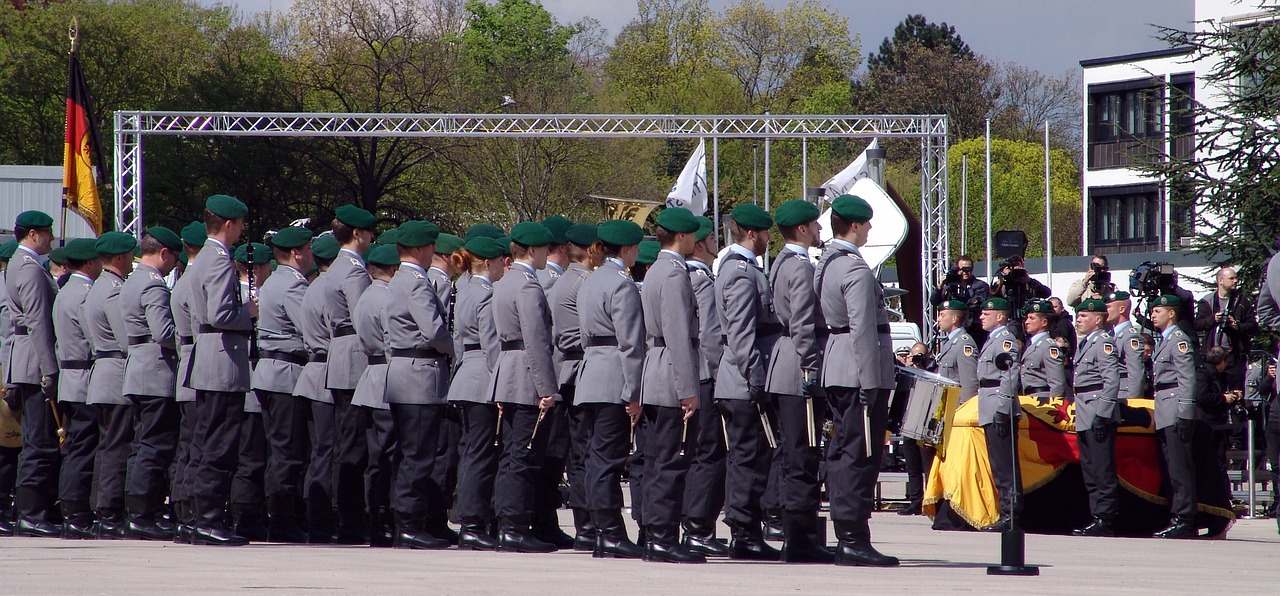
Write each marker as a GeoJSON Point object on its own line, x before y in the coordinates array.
{"type": "Point", "coordinates": [930, 130]}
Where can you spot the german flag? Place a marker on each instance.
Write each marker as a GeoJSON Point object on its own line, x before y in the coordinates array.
{"type": "Point", "coordinates": [82, 154]}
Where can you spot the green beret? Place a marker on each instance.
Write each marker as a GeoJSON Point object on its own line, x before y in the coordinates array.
{"type": "Point", "coordinates": [448, 244]}
{"type": "Point", "coordinates": [355, 217]}
{"type": "Point", "coordinates": [558, 224]}
{"type": "Point", "coordinates": [505, 241]}
{"type": "Point", "coordinates": [583, 235]}
{"type": "Point", "coordinates": [388, 237]}
{"type": "Point", "coordinates": [195, 233]}
{"type": "Point", "coordinates": [226, 207]}
{"type": "Point", "coordinates": [372, 245]}
{"type": "Point", "coordinates": [486, 230]}
{"type": "Point", "coordinates": [1043, 307]}
{"type": "Point", "coordinates": [1168, 300]}
{"type": "Point", "coordinates": [261, 254]}
{"type": "Point", "coordinates": [484, 247]}
{"type": "Point", "coordinates": [678, 220]}
{"type": "Point", "coordinates": [796, 213]}
{"type": "Point", "coordinates": [8, 248]}
{"type": "Point", "coordinates": [1092, 305]}
{"type": "Point", "coordinates": [325, 247]}
{"type": "Point", "coordinates": [705, 227]}
{"type": "Point", "coordinates": [166, 237]}
{"type": "Point", "coordinates": [115, 243]}
{"type": "Point", "coordinates": [993, 303]}
{"type": "Point", "coordinates": [384, 255]}
{"type": "Point", "coordinates": [57, 256]}
{"type": "Point", "coordinates": [416, 233]}
{"type": "Point", "coordinates": [852, 208]}
{"type": "Point", "coordinates": [1117, 296]}
{"type": "Point", "coordinates": [531, 233]}
{"type": "Point", "coordinates": [751, 217]}
{"type": "Point", "coordinates": [620, 232]}
{"type": "Point", "coordinates": [648, 252]}
{"type": "Point", "coordinates": [34, 219]}
{"type": "Point", "coordinates": [274, 265]}
{"type": "Point", "coordinates": [182, 258]}
{"type": "Point", "coordinates": [291, 237]}
{"type": "Point", "coordinates": [954, 305]}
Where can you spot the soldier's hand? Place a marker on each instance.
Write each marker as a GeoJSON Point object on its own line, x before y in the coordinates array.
{"type": "Point", "coordinates": [14, 402]}
{"type": "Point", "coordinates": [1002, 427]}
{"type": "Point", "coordinates": [1184, 429]}
{"type": "Point", "coordinates": [633, 410]}
{"type": "Point", "coordinates": [690, 406]}
{"type": "Point", "coordinates": [546, 403]}
{"type": "Point", "coordinates": [49, 385]}
{"type": "Point", "coordinates": [809, 388]}
{"type": "Point", "coordinates": [1100, 433]}
{"type": "Point", "coordinates": [756, 394]}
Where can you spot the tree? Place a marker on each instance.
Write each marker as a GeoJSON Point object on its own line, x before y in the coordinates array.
{"type": "Point", "coordinates": [934, 81]}
{"type": "Point", "coordinates": [1027, 97]}
{"type": "Point", "coordinates": [915, 30]}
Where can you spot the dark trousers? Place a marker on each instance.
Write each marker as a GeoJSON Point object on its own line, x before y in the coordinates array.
{"type": "Point", "coordinates": [1000, 456]}
{"type": "Point", "coordinates": [38, 461]}
{"type": "Point", "coordinates": [75, 478]}
{"type": "Point", "coordinates": [747, 464]}
{"type": "Point", "coordinates": [798, 473]}
{"type": "Point", "coordinates": [704, 486]}
{"type": "Point", "coordinates": [318, 484]}
{"type": "Point", "coordinates": [1272, 436]}
{"type": "Point", "coordinates": [9, 478]}
{"type": "Point", "coordinates": [1098, 466]}
{"type": "Point", "coordinates": [111, 465]}
{"type": "Point", "coordinates": [609, 429]}
{"type": "Point", "coordinates": [447, 445]}
{"type": "Point", "coordinates": [477, 462]}
{"type": "Point", "coordinates": [547, 497]}
{"type": "Point", "coordinates": [415, 491]}
{"type": "Point", "coordinates": [1180, 468]}
{"type": "Point", "coordinates": [350, 460]}
{"type": "Point", "coordinates": [851, 475]}
{"type": "Point", "coordinates": [635, 482]}
{"type": "Point", "coordinates": [919, 458]}
{"type": "Point", "coordinates": [155, 440]}
{"type": "Point", "coordinates": [579, 436]}
{"type": "Point", "coordinates": [285, 420]}
{"type": "Point", "coordinates": [217, 438]}
{"type": "Point", "coordinates": [248, 486]}
{"type": "Point", "coordinates": [667, 464]}
{"type": "Point", "coordinates": [185, 455]}
{"type": "Point", "coordinates": [517, 464]}
{"type": "Point", "coordinates": [384, 458]}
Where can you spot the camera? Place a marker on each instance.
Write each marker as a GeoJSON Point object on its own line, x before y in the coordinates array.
{"type": "Point", "coordinates": [1101, 281]}
{"type": "Point", "coordinates": [1150, 280]}
{"type": "Point", "coordinates": [917, 360]}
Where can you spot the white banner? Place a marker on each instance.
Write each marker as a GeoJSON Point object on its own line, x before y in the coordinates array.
{"type": "Point", "coordinates": [690, 189]}
{"type": "Point", "coordinates": [844, 179]}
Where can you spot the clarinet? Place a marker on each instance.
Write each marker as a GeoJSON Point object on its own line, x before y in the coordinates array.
{"type": "Point", "coordinates": [253, 294]}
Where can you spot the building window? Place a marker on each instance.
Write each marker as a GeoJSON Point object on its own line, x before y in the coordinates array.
{"type": "Point", "coordinates": [1125, 220]}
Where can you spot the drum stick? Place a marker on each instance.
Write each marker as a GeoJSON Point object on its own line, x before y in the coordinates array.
{"type": "Point", "coordinates": [809, 417]}
{"type": "Point", "coordinates": [684, 432]}
{"type": "Point", "coordinates": [768, 428]}
{"type": "Point", "coordinates": [541, 414]}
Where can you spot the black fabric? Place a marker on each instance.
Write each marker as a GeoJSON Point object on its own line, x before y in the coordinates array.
{"type": "Point", "coordinates": [249, 486]}
{"type": "Point", "coordinates": [746, 467]}
{"type": "Point", "coordinates": [1098, 469]}
{"type": "Point", "coordinates": [1000, 454]}
{"type": "Point", "coordinates": [318, 483]}
{"type": "Point", "coordinates": [609, 441]}
{"type": "Point", "coordinates": [155, 441]}
{"type": "Point", "coordinates": [704, 486]}
{"type": "Point", "coordinates": [217, 449]}
{"type": "Point", "coordinates": [185, 456]}
{"type": "Point", "coordinates": [448, 446]}
{"type": "Point", "coordinates": [111, 463]}
{"type": "Point", "coordinates": [75, 477]}
{"type": "Point", "coordinates": [284, 419]}
{"type": "Point", "coordinates": [351, 457]}
{"type": "Point", "coordinates": [38, 460]}
{"type": "Point", "coordinates": [415, 491]}
{"type": "Point", "coordinates": [517, 463]}
{"type": "Point", "coordinates": [800, 490]}
{"type": "Point", "coordinates": [919, 458]}
{"type": "Point", "coordinates": [579, 435]}
{"type": "Point", "coordinates": [851, 475]}
{"type": "Point", "coordinates": [547, 497]}
{"type": "Point", "coordinates": [384, 458]}
{"type": "Point", "coordinates": [667, 462]}
{"type": "Point", "coordinates": [477, 462]}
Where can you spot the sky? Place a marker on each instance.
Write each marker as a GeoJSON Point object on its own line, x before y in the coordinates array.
{"type": "Point", "coordinates": [1049, 36]}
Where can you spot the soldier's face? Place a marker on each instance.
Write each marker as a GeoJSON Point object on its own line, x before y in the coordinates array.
{"type": "Point", "coordinates": [304, 257]}
{"type": "Point", "coordinates": [946, 321]}
{"type": "Point", "coordinates": [815, 234]}
{"type": "Point", "coordinates": [684, 244]}
{"type": "Point", "coordinates": [860, 233]}
{"type": "Point", "coordinates": [1087, 322]}
{"type": "Point", "coordinates": [539, 255]}
{"type": "Point", "coordinates": [1115, 310]}
{"type": "Point", "coordinates": [1162, 316]}
{"type": "Point", "coordinates": [993, 319]}
{"type": "Point", "coordinates": [495, 268]}
{"type": "Point", "coordinates": [1035, 323]}
{"type": "Point", "coordinates": [759, 241]}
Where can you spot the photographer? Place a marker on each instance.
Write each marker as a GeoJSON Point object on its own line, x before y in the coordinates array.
{"type": "Point", "coordinates": [1226, 319]}
{"type": "Point", "coordinates": [1096, 282]}
{"type": "Point", "coordinates": [960, 284]}
{"type": "Point", "coordinates": [1215, 400]}
{"type": "Point", "coordinates": [1062, 327]}
{"type": "Point", "coordinates": [1014, 284]}
{"type": "Point", "coordinates": [1266, 393]}
{"type": "Point", "coordinates": [1150, 280]}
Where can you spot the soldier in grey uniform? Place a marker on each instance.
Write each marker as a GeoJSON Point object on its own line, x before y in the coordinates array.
{"type": "Point", "coordinates": [150, 375]}
{"type": "Point", "coordinates": [958, 355]}
{"type": "Point", "coordinates": [475, 345]}
{"type": "Point", "coordinates": [1043, 362]}
{"type": "Point", "coordinates": [371, 390]}
{"type": "Point", "coordinates": [1178, 425]}
{"type": "Point", "coordinates": [107, 333]}
{"type": "Point", "coordinates": [563, 298]}
{"type": "Point", "coordinates": [558, 259]}
{"type": "Point", "coordinates": [998, 407]}
{"type": "Point", "coordinates": [281, 356]}
{"type": "Point", "coordinates": [1097, 385]}
{"type": "Point", "coordinates": [32, 373]}
{"type": "Point", "coordinates": [670, 391]}
{"type": "Point", "coordinates": [219, 370]}
{"type": "Point", "coordinates": [858, 373]}
{"type": "Point", "coordinates": [248, 486]}
{"type": "Point", "coordinates": [193, 239]}
{"type": "Point", "coordinates": [8, 455]}
{"type": "Point", "coordinates": [793, 382]}
{"type": "Point", "coordinates": [750, 328]}
{"type": "Point", "coordinates": [314, 325]}
{"type": "Point", "coordinates": [75, 358]}
{"type": "Point", "coordinates": [441, 274]}
{"type": "Point", "coordinates": [1128, 339]}
{"type": "Point", "coordinates": [523, 384]}
{"type": "Point", "coordinates": [612, 327]}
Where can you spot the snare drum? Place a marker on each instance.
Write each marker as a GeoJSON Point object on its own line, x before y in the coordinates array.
{"type": "Point", "coordinates": [928, 398]}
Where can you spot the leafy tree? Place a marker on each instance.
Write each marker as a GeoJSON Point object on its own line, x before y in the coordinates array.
{"type": "Point", "coordinates": [915, 30]}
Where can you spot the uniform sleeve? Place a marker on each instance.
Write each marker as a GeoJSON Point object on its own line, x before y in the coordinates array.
{"type": "Point", "coordinates": [354, 285]}
{"type": "Point", "coordinates": [292, 302]}
{"type": "Point", "coordinates": [709, 320]}
{"type": "Point", "coordinates": [740, 329]}
{"type": "Point", "coordinates": [803, 323]}
{"type": "Point", "coordinates": [1056, 373]}
{"type": "Point", "coordinates": [424, 308]}
{"type": "Point", "coordinates": [488, 330]}
{"type": "Point", "coordinates": [37, 302]}
{"type": "Point", "coordinates": [155, 307]}
{"type": "Point", "coordinates": [1109, 368]}
{"type": "Point", "coordinates": [1135, 369]}
{"type": "Point", "coordinates": [531, 309]}
{"type": "Point", "coordinates": [115, 319]}
{"type": "Point", "coordinates": [862, 320]}
{"type": "Point", "coordinates": [1184, 363]}
{"type": "Point", "coordinates": [675, 330]}
{"type": "Point", "coordinates": [222, 303]}
{"type": "Point", "coordinates": [1009, 380]}
{"type": "Point", "coordinates": [628, 325]}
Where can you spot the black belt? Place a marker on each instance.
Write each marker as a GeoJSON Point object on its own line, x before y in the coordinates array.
{"type": "Point", "coordinates": [1035, 389]}
{"type": "Point", "coordinates": [1089, 388]}
{"type": "Point", "coordinates": [767, 329]}
{"type": "Point", "coordinates": [290, 357]}
{"type": "Point", "coordinates": [318, 357]}
{"type": "Point", "coordinates": [471, 347]}
{"type": "Point", "coordinates": [661, 342]}
{"type": "Point", "coordinates": [426, 353]}
{"type": "Point", "coordinates": [108, 355]}
{"type": "Point", "coordinates": [377, 359]}
{"type": "Point", "coordinates": [573, 355]}
{"type": "Point", "coordinates": [75, 364]}
{"type": "Point", "coordinates": [512, 345]}
{"type": "Point", "coordinates": [596, 341]}
{"type": "Point", "coordinates": [844, 330]}
{"type": "Point", "coordinates": [1163, 386]}
{"type": "Point", "coordinates": [344, 330]}
{"type": "Point", "coordinates": [988, 384]}
{"type": "Point", "coordinates": [20, 330]}
{"type": "Point", "coordinates": [1124, 375]}
{"type": "Point", "coordinates": [205, 328]}
{"type": "Point", "coordinates": [186, 340]}
{"type": "Point", "coordinates": [140, 339]}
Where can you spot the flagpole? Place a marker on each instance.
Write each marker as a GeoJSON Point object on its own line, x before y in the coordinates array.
{"type": "Point", "coordinates": [988, 198]}
{"type": "Point", "coordinates": [73, 33]}
{"type": "Point", "coordinates": [964, 204]}
{"type": "Point", "coordinates": [715, 183]}
{"type": "Point", "coordinates": [766, 179]}
{"type": "Point", "coordinates": [804, 168]}
{"type": "Point", "coordinates": [1048, 211]}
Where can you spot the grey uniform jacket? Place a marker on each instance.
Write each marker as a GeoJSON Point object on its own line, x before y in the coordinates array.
{"type": "Point", "coordinates": [30, 293]}
{"type": "Point", "coordinates": [710, 333]}
{"type": "Point", "coordinates": [859, 352]}
{"type": "Point", "coordinates": [152, 366]}
{"type": "Point", "coordinates": [1132, 368]}
{"type": "Point", "coordinates": [671, 326]}
{"type": "Point", "coordinates": [220, 361]}
{"type": "Point", "coordinates": [6, 334]}
{"type": "Point", "coordinates": [749, 324]}
{"type": "Point", "coordinates": [107, 336]}
{"type": "Point", "coordinates": [315, 336]}
{"type": "Point", "coordinates": [475, 341]}
{"type": "Point", "coordinates": [1097, 381]}
{"type": "Point", "coordinates": [1043, 372]}
{"type": "Point", "coordinates": [563, 298]}
{"type": "Point", "coordinates": [548, 276]}
{"type": "Point", "coordinates": [442, 285]}
{"type": "Point", "coordinates": [75, 354]}
{"type": "Point", "coordinates": [348, 279]}
{"type": "Point", "coordinates": [370, 312]}
{"type": "Point", "coordinates": [414, 319]}
{"type": "Point", "coordinates": [958, 360]}
{"type": "Point", "coordinates": [525, 371]}
{"type": "Point", "coordinates": [609, 308]}
{"type": "Point", "coordinates": [180, 306]}
{"type": "Point", "coordinates": [279, 317]}
{"type": "Point", "coordinates": [1173, 376]}
{"type": "Point", "coordinates": [998, 389]}
{"type": "Point", "coordinates": [795, 300]}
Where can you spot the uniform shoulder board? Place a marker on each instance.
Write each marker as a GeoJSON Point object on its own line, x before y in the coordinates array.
{"type": "Point", "coordinates": [1183, 347]}
{"type": "Point", "coordinates": [486, 285]}
{"type": "Point", "coordinates": [156, 276]}
{"type": "Point", "coordinates": [1055, 353]}
{"type": "Point", "coordinates": [220, 251]}
{"type": "Point", "coordinates": [702, 272]}
{"type": "Point", "coordinates": [1135, 344]}
{"type": "Point", "coordinates": [1007, 345]}
{"type": "Point", "coordinates": [1108, 348]}
{"type": "Point", "coordinates": [554, 273]}
{"type": "Point", "coordinates": [623, 274]}
{"type": "Point", "coordinates": [28, 258]}
{"type": "Point", "coordinates": [115, 283]}
{"type": "Point", "coordinates": [968, 350]}
{"type": "Point", "coordinates": [419, 275]}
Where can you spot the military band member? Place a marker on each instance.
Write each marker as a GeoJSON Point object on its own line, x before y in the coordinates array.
{"type": "Point", "coordinates": [793, 382]}
{"type": "Point", "coordinates": [441, 273]}
{"type": "Point", "coordinates": [248, 486]}
{"type": "Point", "coordinates": [57, 266]}
{"type": "Point", "coordinates": [523, 384]}
{"type": "Point", "coordinates": [1097, 385]}
{"type": "Point", "coordinates": [1178, 425]}
{"type": "Point", "coordinates": [1043, 362]}
{"type": "Point", "coordinates": [219, 370]}
{"type": "Point", "coordinates": [75, 358]}
{"type": "Point", "coordinates": [108, 335]}
{"type": "Point", "coordinates": [958, 355]}
{"type": "Point", "coordinates": [369, 318]}
{"type": "Point", "coordinates": [998, 407]}
{"type": "Point", "coordinates": [281, 356]}
{"type": "Point", "coordinates": [314, 325]}
{"type": "Point", "coordinates": [150, 376]}
{"type": "Point", "coordinates": [1128, 338]}
{"type": "Point", "coordinates": [8, 454]}
{"type": "Point", "coordinates": [750, 329]}
{"type": "Point", "coordinates": [193, 239]}
{"type": "Point", "coordinates": [557, 254]}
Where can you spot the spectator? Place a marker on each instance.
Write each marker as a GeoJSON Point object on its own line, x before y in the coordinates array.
{"type": "Point", "coordinates": [1267, 395]}
{"type": "Point", "coordinates": [1148, 348]}
{"type": "Point", "coordinates": [966, 288]}
{"type": "Point", "coordinates": [1215, 399]}
{"type": "Point", "coordinates": [1226, 319]}
{"type": "Point", "coordinates": [1086, 288]}
{"type": "Point", "coordinates": [1061, 327]}
{"type": "Point", "coordinates": [1014, 284]}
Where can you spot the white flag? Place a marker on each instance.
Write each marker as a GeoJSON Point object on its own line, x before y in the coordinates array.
{"type": "Point", "coordinates": [844, 179]}
{"type": "Point", "coordinates": [690, 189]}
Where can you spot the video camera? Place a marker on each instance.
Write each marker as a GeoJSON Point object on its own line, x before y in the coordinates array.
{"type": "Point", "coordinates": [1150, 280]}
{"type": "Point", "coordinates": [1101, 280]}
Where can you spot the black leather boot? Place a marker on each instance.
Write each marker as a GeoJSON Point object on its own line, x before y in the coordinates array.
{"type": "Point", "coordinates": [663, 546]}
{"type": "Point", "coordinates": [855, 546]}
{"type": "Point", "coordinates": [1003, 524]}
{"type": "Point", "coordinates": [382, 531]}
{"type": "Point", "coordinates": [585, 531]}
{"type": "Point", "coordinates": [283, 520]}
{"type": "Point", "coordinates": [773, 525]}
{"type": "Point", "coordinates": [77, 521]}
{"type": "Point", "coordinates": [700, 537]}
{"type": "Point", "coordinates": [1101, 526]}
{"type": "Point", "coordinates": [514, 537]}
{"type": "Point", "coordinates": [6, 515]}
{"type": "Point", "coordinates": [142, 522]}
{"type": "Point", "coordinates": [475, 536]}
{"type": "Point", "coordinates": [33, 515]}
{"type": "Point", "coordinates": [747, 544]}
{"type": "Point", "coordinates": [183, 527]}
{"type": "Point", "coordinates": [210, 527]}
{"type": "Point", "coordinates": [1181, 527]}
{"type": "Point", "coordinates": [438, 526]}
{"type": "Point", "coordinates": [612, 541]}
{"type": "Point", "coordinates": [113, 524]}
{"type": "Point", "coordinates": [546, 527]}
{"type": "Point", "coordinates": [801, 542]}
{"type": "Point", "coordinates": [411, 533]}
